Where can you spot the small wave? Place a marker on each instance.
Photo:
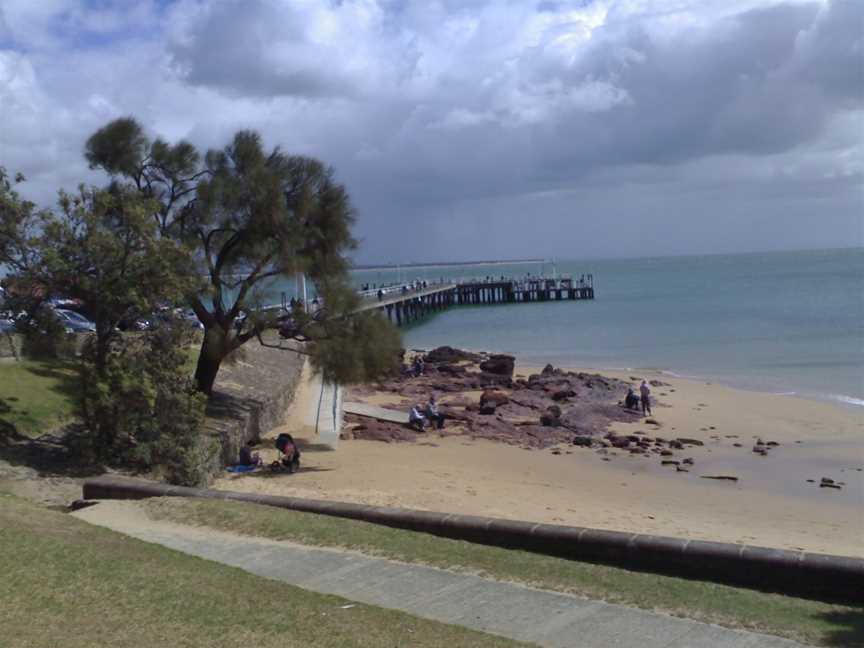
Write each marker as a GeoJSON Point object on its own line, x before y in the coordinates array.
{"type": "Point", "coordinates": [848, 400]}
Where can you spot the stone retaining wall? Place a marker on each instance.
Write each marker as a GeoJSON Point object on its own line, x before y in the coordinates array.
{"type": "Point", "coordinates": [797, 573]}
{"type": "Point", "coordinates": [250, 398]}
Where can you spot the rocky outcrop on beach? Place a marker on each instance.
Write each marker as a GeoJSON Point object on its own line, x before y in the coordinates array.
{"type": "Point", "coordinates": [551, 408]}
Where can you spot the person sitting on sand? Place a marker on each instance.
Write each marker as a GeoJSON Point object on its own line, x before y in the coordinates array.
{"type": "Point", "coordinates": [645, 392]}
{"type": "Point", "coordinates": [416, 418]}
{"type": "Point", "coordinates": [631, 401]}
{"type": "Point", "coordinates": [435, 417]}
{"type": "Point", "coordinates": [249, 458]}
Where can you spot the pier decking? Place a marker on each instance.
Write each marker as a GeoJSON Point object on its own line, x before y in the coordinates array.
{"type": "Point", "coordinates": [404, 305]}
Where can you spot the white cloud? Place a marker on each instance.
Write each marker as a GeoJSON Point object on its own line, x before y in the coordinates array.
{"type": "Point", "coordinates": [427, 108]}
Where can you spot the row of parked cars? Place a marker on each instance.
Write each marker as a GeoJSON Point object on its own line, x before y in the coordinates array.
{"type": "Point", "coordinates": [68, 313]}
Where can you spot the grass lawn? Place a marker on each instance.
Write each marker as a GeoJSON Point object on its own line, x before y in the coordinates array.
{"type": "Point", "coordinates": [72, 585]}
{"type": "Point", "coordinates": [37, 396]}
{"type": "Point", "coordinates": [805, 620]}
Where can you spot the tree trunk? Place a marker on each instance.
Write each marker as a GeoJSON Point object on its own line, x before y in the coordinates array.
{"type": "Point", "coordinates": [209, 360]}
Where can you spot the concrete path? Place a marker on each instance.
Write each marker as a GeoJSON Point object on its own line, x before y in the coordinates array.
{"type": "Point", "coordinates": [373, 411]}
{"type": "Point", "coordinates": [543, 618]}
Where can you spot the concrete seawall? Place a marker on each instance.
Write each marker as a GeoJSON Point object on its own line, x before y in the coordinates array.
{"type": "Point", "coordinates": [822, 576]}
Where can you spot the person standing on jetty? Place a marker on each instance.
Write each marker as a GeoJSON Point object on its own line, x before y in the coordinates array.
{"type": "Point", "coordinates": [645, 394]}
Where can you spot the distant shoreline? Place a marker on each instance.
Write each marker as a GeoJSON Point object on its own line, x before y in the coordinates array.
{"type": "Point", "coordinates": [448, 264]}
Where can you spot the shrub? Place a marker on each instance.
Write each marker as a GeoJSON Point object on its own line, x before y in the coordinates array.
{"type": "Point", "coordinates": [142, 408]}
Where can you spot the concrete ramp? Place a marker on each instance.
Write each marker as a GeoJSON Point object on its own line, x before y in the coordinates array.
{"type": "Point", "coordinates": [315, 413]}
{"type": "Point", "coordinates": [328, 413]}
{"type": "Point", "coordinates": [379, 413]}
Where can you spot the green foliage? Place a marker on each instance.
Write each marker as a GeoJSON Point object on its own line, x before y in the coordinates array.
{"type": "Point", "coordinates": [142, 407]}
{"type": "Point", "coordinates": [347, 346]}
{"type": "Point", "coordinates": [20, 223]}
{"type": "Point", "coordinates": [106, 251]}
{"type": "Point", "coordinates": [44, 335]}
{"type": "Point", "coordinates": [250, 215]}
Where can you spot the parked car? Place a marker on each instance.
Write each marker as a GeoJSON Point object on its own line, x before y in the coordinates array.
{"type": "Point", "coordinates": [75, 322]}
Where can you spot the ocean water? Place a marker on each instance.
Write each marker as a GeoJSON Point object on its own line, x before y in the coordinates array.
{"type": "Point", "coordinates": [786, 322]}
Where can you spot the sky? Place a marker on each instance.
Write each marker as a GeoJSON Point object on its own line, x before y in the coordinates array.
{"type": "Point", "coordinates": [478, 129]}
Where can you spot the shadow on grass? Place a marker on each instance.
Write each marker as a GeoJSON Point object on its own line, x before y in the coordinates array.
{"type": "Point", "coordinates": [852, 633]}
{"type": "Point", "coordinates": [63, 372]}
{"type": "Point", "coordinates": [47, 454]}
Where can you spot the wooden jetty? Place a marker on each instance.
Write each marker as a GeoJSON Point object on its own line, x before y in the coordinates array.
{"type": "Point", "coordinates": [403, 305]}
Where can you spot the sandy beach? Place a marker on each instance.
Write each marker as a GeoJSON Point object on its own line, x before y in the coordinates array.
{"type": "Point", "coordinates": [772, 503]}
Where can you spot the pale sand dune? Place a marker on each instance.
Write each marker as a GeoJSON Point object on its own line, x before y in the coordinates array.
{"type": "Point", "coordinates": [771, 505]}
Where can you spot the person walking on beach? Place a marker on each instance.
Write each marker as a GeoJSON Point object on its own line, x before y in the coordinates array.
{"type": "Point", "coordinates": [645, 393]}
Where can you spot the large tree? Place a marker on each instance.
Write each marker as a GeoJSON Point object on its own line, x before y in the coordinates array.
{"type": "Point", "coordinates": [249, 216]}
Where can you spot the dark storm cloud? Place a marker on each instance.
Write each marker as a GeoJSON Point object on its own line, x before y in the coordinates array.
{"type": "Point", "coordinates": [445, 118]}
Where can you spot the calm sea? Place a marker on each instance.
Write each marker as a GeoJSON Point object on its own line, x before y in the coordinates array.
{"type": "Point", "coordinates": [787, 322]}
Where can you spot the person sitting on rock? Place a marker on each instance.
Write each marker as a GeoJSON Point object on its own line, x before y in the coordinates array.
{"type": "Point", "coordinates": [631, 401]}
{"type": "Point", "coordinates": [416, 418]}
{"type": "Point", "coordinates": [247, 457]}
{"type": "Point", "coordinates": [433, 414]}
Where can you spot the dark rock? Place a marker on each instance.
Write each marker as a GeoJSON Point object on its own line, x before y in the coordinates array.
{"type": "Point", "coordinates": [582, 441]}
{"type": "Point", "coordinates": [554, 410]}
{"type": "Point", "coordinates": [721, 477]}
{"type": "Point", "coordinates": [826, 485]}
{"type": "Point", "coordinates": [738, 445]}
{"type": "Point", "coordinates": [666, 453]}
{"type": "Point", "coordinates": [658, 383]}
{"type": "Point", "coordinates": [487, 379]}
{"type": "Point", "coordinates": [772, 444]}
{"type": "Point", "coordinates": [487, 409]}
{"type": "Point", "coordinates": [760, 450]}
{"type": "Point", "coordinates": [547, 420]}
{"type": "Point", "coordinates": [826, 480]}
{"type": "Point", "coordinates": [548, 370]}
{"type": "Point", "coordinates": [499, 364]}
{"type": "Point", "coordinates": [688, 461]}
{"type": "Point", "coordinates": [449, 354]}
{"type": "Point", "coordinates": [695, 442]}
{"type": "Point", "coordinates": [451, 369]}
{"type": "Point", "coordinates": [675, 443]}
{"type": "Point", "coordinates": [495, 398]}
{"type": "Point", "coordinates": [563, 394]}
{"type": "Point", "coordinates": [670, 462]}
{"type": "Point", "coordinates": [680, 469]}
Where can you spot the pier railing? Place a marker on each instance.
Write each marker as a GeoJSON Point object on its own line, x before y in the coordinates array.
{"type": "Point", "coordinates": [403, 303]}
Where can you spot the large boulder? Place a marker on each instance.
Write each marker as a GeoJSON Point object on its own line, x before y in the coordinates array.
{"type": "Point", "coordinates": [452, 370]}
{"type": "Point", "coordinates": [449, 354]}
{"type": "Point", "coordinates": [491, 397]}
{"type": "Point", "coordinates": [502, 365]}
{"type": "Point", "coordinates": [552, 417]}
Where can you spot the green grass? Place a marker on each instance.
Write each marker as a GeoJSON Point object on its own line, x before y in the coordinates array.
{"type": "Point", "coordinates": [72, 585]}
{"type": "Point", "coordinates": [36, 396]}
{"type": "Point", "coordinates": [805, 620]}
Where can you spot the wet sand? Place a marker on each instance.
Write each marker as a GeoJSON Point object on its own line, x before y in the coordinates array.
{"type": "Point", "coordinates": [771, 504]}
